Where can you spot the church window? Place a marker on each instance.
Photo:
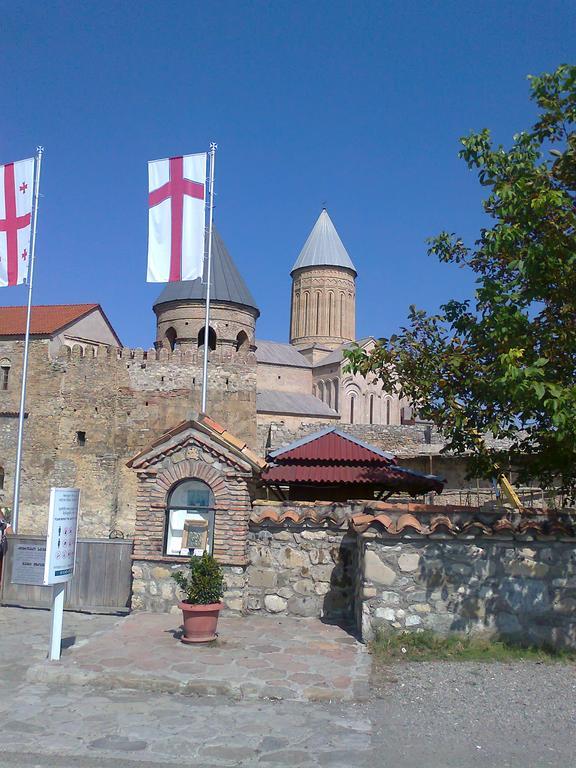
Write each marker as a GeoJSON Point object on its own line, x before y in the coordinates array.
{"type": "Point", "coordinates": [4, 374]}
{"type": "Point", "coordinates": [211, 338]}
{"type": "Point", "coordinates": [352, 400]}
{"type": "Point", "coordinates": [336, 397]}
{"type": "Point", "coordinates": [317, 313]}
{"type": "Point", "coordinates": [371, 409]}
{"type": "Point", "coordinates": [1, 478]}
{"type": "Point", "coordinates": [189, 519]}
{"type": "Point", "coordinates": [296, 316]}
{"type": "Point", "coordinates": [305, 324]}
{"type": "Point", "coordinates": [321, 390]}
{"type": "Point", "coordinates": [242, 342]}
{"type": "Point", "coordinates": [329, 394]}
{"type": "Point", "coordinates": [81, 439]}
{"type": "Point", "coordinates": [341, 314]}
{"type": "Point", "coordinates": [330, 313]}
{"type": "Point", "coordinates": [388, 411]}
{"type": "Point", "coordinates": [170, 337]}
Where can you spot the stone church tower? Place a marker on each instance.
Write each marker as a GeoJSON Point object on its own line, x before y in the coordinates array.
{"type": "Point", "coordinates": [180, 310]}
{"type": "Point", "coordinates": [323, 307]}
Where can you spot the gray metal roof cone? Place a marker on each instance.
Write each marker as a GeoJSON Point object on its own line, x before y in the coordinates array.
{"type": "Point", "coordinates": [324, 247]}
{"type": "Point", "coordinates": [227, 283]}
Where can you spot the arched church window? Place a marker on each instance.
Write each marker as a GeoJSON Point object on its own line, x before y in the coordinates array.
{"type": "Point", "coordinates": [305, 324]}
{"type": "Point", "coordinates": [371, 409]}
{"type": "Point", "coordinates": [190, 519]}
{"type": "Point", "coordinates": [242, 342]}
{"type": "Point", "coordinates": [170, 337]}
{"type": "Point", "coordinates": [352, 402]}
{"type": "Point", "coordinates": [317, 313]}
{"type": "Point", "coordinates": [336, 386]}
{"type": "Point", "coordinates": [296, 318]}
{"type": "Point", "coordinates": [342, 314]}
{"type": "Point", "coordinates": [330, 313]}
{"type": "Point", "coordinates": [321, 390]}
{"type": "Point", "coordinates": [5, 366]}
{"type": "Point", "coordinates": [388, 411]}
{"type": "Point", "coordinates": [329, 394]}
{"type": "Point", "coordinates": [211, 338]}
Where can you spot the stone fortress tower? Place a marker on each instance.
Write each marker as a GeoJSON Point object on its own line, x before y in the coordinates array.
{"type": "Point", "coordinates": [323, 307]}
{"type": "Point", "coordinates": [180, 310]}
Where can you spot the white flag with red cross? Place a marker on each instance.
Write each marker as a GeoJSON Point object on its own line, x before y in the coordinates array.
{"type": "Point", "coordinates": [176, 218]}
{"type": "Point", "coordinates": [16, 194]}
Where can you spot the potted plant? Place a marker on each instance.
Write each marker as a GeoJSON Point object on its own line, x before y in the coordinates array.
{"type": "Point", "coordinates": [203, 588]}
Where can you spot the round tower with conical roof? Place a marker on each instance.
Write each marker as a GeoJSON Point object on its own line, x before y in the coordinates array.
{"type": "Point", "coordinates": [323, 308]}
{"type": "Point", "coordinates": [180, 309]}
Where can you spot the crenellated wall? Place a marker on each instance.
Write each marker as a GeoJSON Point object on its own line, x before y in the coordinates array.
{"type": "Point", "coordinates": [120, 399]}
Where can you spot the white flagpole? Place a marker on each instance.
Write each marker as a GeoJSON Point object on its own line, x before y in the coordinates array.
{"type": "Point", "coordinates": [17, 473]}
{"type": "Point", "coordinates": [213, 148]}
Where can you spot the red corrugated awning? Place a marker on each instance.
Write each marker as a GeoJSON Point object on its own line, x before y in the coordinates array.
{"type": "Point", "coordinates": [332, 457]}
{"type": "Point", "coordinates": [391, 476]}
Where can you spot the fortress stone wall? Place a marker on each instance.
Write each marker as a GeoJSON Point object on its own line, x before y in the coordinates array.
{"type": "Point", "coordinates": [89, 413]}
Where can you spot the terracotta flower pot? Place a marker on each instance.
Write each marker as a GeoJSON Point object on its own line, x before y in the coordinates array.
{"type": "Point", "coordinates": [200, 621]}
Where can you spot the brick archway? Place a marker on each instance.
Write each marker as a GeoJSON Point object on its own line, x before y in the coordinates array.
{"type": "Point", "coordinates": [190, 469]}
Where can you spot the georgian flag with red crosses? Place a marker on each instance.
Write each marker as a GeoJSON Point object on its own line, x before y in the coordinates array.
{"type": "Point", "coordinates": [16, 193]}
{"type": "Point", "coordinates": [176, 218]}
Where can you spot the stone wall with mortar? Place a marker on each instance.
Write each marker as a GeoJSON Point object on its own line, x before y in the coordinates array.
{"type": "Point", "coordinates": [302, 571]}
{"type": "Point", "coordinates": [155, 590]}
{"type": "Point", "coordinates": [524, 590]}
{"type": "Point", "coordinates": [121, 400]}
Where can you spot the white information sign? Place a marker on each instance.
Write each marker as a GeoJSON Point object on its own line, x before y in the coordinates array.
{"type": "Point", "coordinates": [28, 563]}
{"type": "Point", "coordinates": [62, 529]}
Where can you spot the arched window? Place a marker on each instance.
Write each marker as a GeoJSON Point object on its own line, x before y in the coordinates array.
{"type": "Point", "coordinates": [211, 338]}
{"type": "Point", "coordinates": [317, 313]}
{"type": "Point", "coordinates": [190, 519]}
{"type": "Point", "coordinates": [371, 409]}
{"type": "Point", "coordinates": [242, 342]}
{"type": "Point", "coordinates": [305, 324]}
{"type": "Point", "coordinates": [296, 317]}
{"type": "Point", "coordinates": [352, 401]}
{"type": "Point", "coordinates": [1, 478]}
{"type": "Point", "coordinates": [5, 366]}
{"type": "Point", "coordinates": [341, 314]}
{"type": "Point", "coordinates": [170, 337]}
{"type": "Point", "coordinates": [321, 390]}
{"type": "Point", "coordinates": [388, 410]}
{"type": "Point", "coordinates": [336, 386]}
{"type": "Point", "coordinates": [329, 393]}
{"type": "Point", "coordinates": [330, 313]}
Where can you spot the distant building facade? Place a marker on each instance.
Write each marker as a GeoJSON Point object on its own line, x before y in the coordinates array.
{"type": "Point", "coordinates": [93, 404]}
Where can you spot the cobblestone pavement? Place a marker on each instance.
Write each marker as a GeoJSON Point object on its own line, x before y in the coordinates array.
{"type": "Point", "coordinates": [262, 657]}
{"type": "Point", "coordinates": [435, 715]}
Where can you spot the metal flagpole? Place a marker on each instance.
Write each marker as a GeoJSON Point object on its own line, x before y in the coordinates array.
{"type": "Point", "coordinates": [16, 504]}
{"type": "Point", "coordinates": [213, 148]}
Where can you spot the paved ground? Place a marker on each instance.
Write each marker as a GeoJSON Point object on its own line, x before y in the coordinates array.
{"type": "Point", "coordinates": [262, 657]}
{"type": "Point", "coordinates": [429, 716]}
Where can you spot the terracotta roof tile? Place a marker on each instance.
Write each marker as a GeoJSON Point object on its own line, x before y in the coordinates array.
{"type": "Point", "coordinates": [45, 320]}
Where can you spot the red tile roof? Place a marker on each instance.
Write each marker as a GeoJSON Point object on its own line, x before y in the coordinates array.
{"type": "Point", "coordinates": [447, 523]}
{"type": "Point", "coordinates": [45, 320]}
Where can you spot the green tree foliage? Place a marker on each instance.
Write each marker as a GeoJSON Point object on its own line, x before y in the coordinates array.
{"type": "Point", "coordinates": [505, 364]}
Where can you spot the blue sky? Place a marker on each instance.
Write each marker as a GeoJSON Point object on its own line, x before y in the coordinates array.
{"type": "Point", "coordinates": [358, 105]}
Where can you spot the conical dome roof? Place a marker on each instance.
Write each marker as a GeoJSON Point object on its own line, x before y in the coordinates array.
{"type": "Point", "coordinates": [324, 247]}
{"type": "Point", "coordinates": [227, 283]}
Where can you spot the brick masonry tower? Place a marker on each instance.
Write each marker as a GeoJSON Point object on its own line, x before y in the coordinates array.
{"type": "Point", "coordinates": [323, 309]}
